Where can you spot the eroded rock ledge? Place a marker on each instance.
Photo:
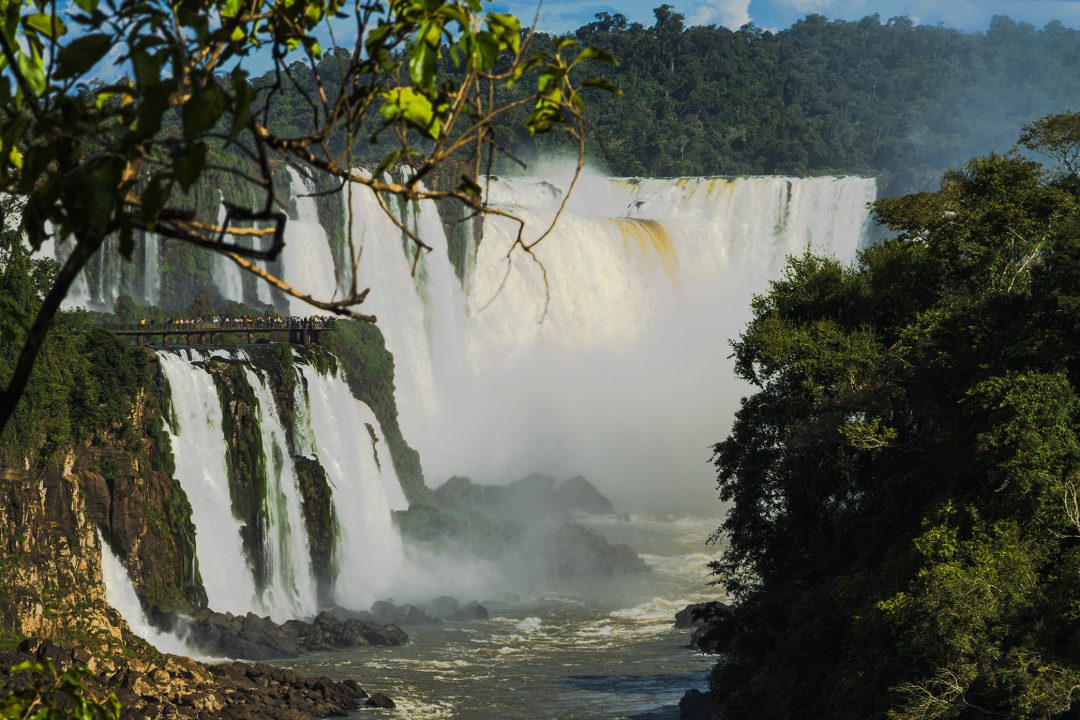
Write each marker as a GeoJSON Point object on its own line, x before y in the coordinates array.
{"type": "Point", "coordinates": [251, 637]}
{"type": "Point", "coordinates": [182, 688]}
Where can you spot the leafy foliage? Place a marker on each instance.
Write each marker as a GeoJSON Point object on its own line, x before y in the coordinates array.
{"type": "Point", "coordinates": [40, 691]}
{"type": "Point", "coordinates": [92, 160]}
{"type": "Point", "coordinates": [903, 483]}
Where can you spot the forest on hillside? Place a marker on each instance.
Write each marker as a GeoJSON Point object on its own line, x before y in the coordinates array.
{"type": "Point", "coordinates": [820, 97]}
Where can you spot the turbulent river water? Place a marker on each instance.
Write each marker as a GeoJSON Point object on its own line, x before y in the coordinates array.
{"type": "Point", "coordinates": [589, 647]}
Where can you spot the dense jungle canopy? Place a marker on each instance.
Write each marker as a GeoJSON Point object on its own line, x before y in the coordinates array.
{"type": "Point", "coordinates": [903, 534]}
{"type": "Point", "coordinates": [820, 97]}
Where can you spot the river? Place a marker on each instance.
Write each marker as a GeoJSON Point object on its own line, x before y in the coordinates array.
{"type": "Point", "coordinates": [588, 647]}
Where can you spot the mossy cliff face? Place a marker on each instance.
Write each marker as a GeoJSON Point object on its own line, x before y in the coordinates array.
{"type": "Point", "coordinates": [246, 459]}
{"type": "Point", "coordinates": [117, 477]}
{"type": "Point", "coordinates": [131, 494]}
{"type": "Point", "coordinates": [369, 370]}
{"type": "Point", "coordinates": [321, 523]}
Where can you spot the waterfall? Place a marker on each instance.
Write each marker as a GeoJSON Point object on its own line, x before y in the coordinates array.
{"type": "Point", "coordinates": [335, 430]}
{"type": "Point", "coordinates": [151, 271]}
{"type": "Point", "coordinates": [198, 446]}
{"type": "Point", "coordinates": [614, 364]}
{"type": "Point", "coordinates": [421, 317]}
{"type": "Point", "coordinates": [308, 259]}
{"type": "Point", "coordinates": [225, 273]}
{"type": "Point", "coordinates": [290, 587]}
{"type": "Point", "coordinates": [120, 594]}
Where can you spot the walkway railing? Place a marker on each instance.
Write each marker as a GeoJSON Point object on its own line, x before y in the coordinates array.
{"type": "Point", "coordinates": [295, 330]}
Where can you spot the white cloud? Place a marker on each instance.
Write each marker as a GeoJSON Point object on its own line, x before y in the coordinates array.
{"type": "Point", "coordinates": [729, 13]}
{"type": "Point", "coordinates": [810, 5]}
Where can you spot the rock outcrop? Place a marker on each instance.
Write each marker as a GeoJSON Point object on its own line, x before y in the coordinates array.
{"type": "Point", "coordinates": [712, 625]}
{"type": "Point", "coordinates": [180, 688]}
{"type": "Point", "coordinates": [697, 705]}
{"type": "Point", "coordinates": [251, 637]}
{"type": "Point", "coordinates": [529, 524]}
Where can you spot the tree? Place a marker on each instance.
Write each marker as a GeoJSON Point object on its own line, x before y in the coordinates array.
{"type": "Point", "coordinates": [901, 538]}
{"type": "Point", "coordinates": [91, 159]}
{"type": "Point", "coordinates": [1057, 137]}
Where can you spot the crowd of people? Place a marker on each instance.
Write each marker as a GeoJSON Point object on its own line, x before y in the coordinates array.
{"type": "Point", "coordinates": [259, 322]}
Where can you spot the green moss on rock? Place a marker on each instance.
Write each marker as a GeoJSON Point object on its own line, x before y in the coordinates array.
{"type": "Point", "coordinates": [369, 369]}
{"type": "Point", "coordinates": [321, 523]}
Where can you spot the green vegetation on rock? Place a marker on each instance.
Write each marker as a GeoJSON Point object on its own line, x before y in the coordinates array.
{"type": "Point", "coordinates": [369, 369]}
{"type": "Point", "coordinates": [245, 459]}
{"type": "Point", "coordinates": [321, 523]}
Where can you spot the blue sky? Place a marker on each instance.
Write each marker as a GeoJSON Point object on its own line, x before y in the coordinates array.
{"type": "Point", "coordinates": [560, 15]}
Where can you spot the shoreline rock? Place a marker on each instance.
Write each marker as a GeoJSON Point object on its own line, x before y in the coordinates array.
{"type": "Point", "coordinates": [697, 705]}
{"type": "Point", "coordinates": [712, 625]}
{"type": "Point", "coordinates": [182, 688]}
{"type": "Point", "coordinates": [251, 637]}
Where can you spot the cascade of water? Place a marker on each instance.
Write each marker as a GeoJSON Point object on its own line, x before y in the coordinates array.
{"type": "Point", "coordinates": [199, 453]}
{"type": "Point", "coordinates": [307, 258]}
{"type": "Point", "coordinates": [629, 304]}
{"type": "Point", "coordinates": [422, 326]}
{"type": "Point", "coordinates": [365, 491]}
{"type": "Point", "coordinates": [151, 270]}
{"type": "Point", "coordinates": [225, 273]}
{"type": "Point", "coordinates": [290, 590]}
{"type": "Point", "coordinates": [79, 294]}
{"type": "Point", "coordinates": [120, 594]}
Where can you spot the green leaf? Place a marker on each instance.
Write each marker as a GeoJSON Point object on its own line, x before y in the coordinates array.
{"type": "Point", "coordinates": [507, 28]}
{"type": "Point", "coordinates": [188, 165]}
{"type": "Point", "coordinates": [87, 5]}
{"type": "Point", "coordinates": [154, 198]}
{"type": "Point", "coordinates": [487, 50]}
{"type": "Point", "coordinates": [46, 24]}
{"type": "Point", "coordinates": [422, 66]}
{"type": "Point", "coordinates": [203, 110]}
{"type": "Point", "coordinates": [603, 84]}
{"type": "Point", "coordinates": [231, 8]}
{"type": "Point", "coordinates": [405, 103]}
{"type": "Point", "coordinates": [81, 54]}
{"type": "Point", "coordinates": [595, 53]}
{"type": "Point", "coordinates": [33, 69]}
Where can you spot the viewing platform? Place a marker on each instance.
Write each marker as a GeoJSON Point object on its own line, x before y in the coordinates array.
{"type": "Point", "coordinates": [296, 331]}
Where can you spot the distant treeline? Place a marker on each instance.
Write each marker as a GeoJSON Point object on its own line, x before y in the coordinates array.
{"type": "Point", "coordinates": [820, 97]}
{"type": "Point", "coordinates": [823, 96]}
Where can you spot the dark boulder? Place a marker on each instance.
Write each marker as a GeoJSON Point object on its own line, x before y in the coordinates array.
{"type": "Point", "coordinates": [443, 606]}
{"type": "Point", "coordinates": [712, 625]}
{"type": "Point", "coordinates": [579, 495]}
{"type": "Point", "coordinates": [697, 705]}
{"type": "Point", "coordinates": [380, 701]}
{"type": "Point", "coordinates": [388, 613]}
{"type": "Point", "coordinates": [574, 550]}
{"type": "Point", "coordinates": [472, 611]}
{"type": "Point", "coordinates": [257, 638]}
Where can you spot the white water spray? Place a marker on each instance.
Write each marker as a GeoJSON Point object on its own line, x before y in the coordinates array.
{"type": "Point", "coordinates": [120, 594]}
{"type": "Point", "coordinates": [199, 455]}
{"type": "Point", "coordinates": [369, 551]}
{"type": "Point", "coordinates": [290, 590]}
{"type": "Point", "coordinates": [614, 364]}
{"type": "Point", "coordinates": [307, 258]}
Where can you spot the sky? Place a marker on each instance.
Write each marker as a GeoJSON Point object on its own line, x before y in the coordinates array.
{"type": "Point", "coordinates": [562, 15]}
